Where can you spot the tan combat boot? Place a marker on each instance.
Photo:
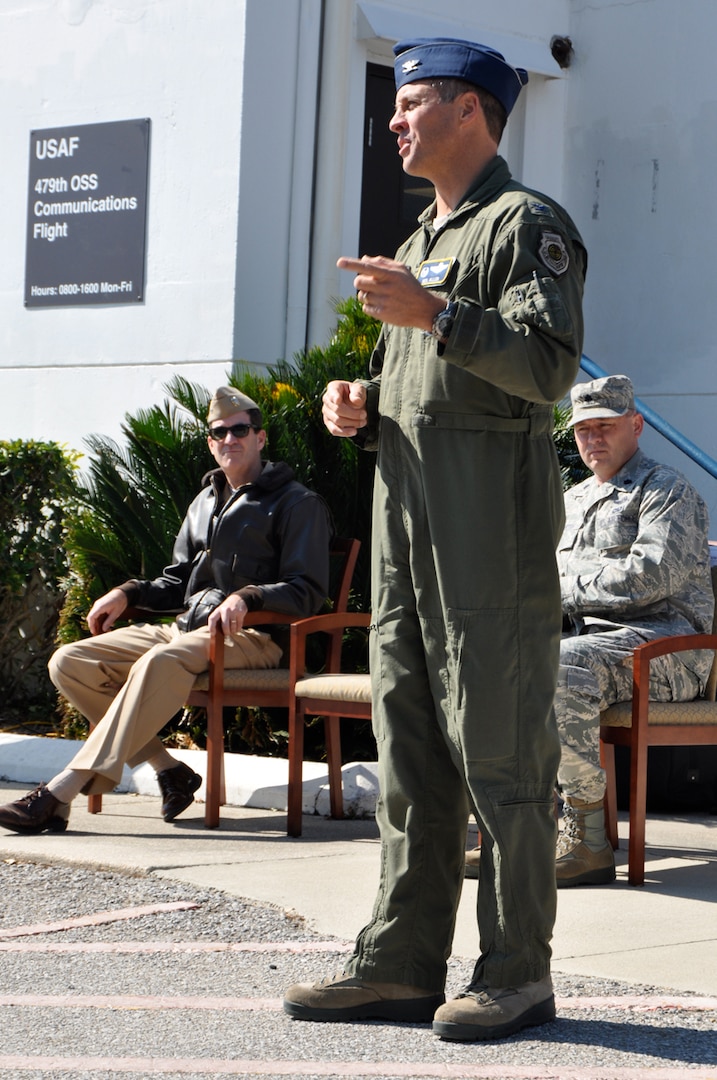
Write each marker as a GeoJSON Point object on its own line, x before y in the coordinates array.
{"type": "Point", "coordinates": [583, 855]}
{"type": "Point", "coordinates": [347, 997]}
{"type": "Point", "coordinates": [490, 1012]}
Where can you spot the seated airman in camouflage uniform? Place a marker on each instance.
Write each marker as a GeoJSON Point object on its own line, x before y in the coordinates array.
{"type": "Point", "coordinates": [634, 565]}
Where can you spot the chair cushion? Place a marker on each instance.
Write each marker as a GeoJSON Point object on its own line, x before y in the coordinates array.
{"type": "Point", "coordinates": [677, 713]}
{"type": "Point", "coordinates": [248, 679]}
{"type": "Point", "coordinates": [335, 687]}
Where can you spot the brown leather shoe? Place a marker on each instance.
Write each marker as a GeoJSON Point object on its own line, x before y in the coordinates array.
{"type": "Point", "coordinates": [177, 786]}
{"type": "Point", "coordinates": [35, 812]}
{"type": "Point", "coordinates": [490, 1012]}
{"type": "Point", "coordinates": [348, 998]}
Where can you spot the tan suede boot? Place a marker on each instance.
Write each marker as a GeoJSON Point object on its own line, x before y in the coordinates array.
{"type": "Point", "coordinates": [490, 1012]}
{"type": "Point", "coordinates": [583, 855]}
{"type": "Point", "coordinates": [346, 997]}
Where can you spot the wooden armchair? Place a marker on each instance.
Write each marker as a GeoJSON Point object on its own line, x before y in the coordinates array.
{"type": "Point", "coordinates": [331, 695]}
{"type": "Point", "coordinates": [268, 688]}
{"type": "Point", "coordinates": [642, 723]}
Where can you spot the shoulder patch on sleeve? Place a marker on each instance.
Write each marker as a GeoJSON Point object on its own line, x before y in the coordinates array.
{"type": "Point", "coordinates": [554, 253]}
{"type": "Point", "coordinates": [540, 209]}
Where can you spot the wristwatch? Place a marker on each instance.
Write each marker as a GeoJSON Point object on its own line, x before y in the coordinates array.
{"type": "Point", "coordinates": [443, 322]}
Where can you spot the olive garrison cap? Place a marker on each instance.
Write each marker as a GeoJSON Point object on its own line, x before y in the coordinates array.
{"type": "Point", "coordinates": [420, 59]}
{"type": "Point", "coordinates": [602, 399]}
{"type": "Point", "coordinates": [226, 402]}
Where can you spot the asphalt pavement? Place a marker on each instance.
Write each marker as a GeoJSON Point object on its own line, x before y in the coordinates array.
{"type": "Point", "coordinates": [130, 947]}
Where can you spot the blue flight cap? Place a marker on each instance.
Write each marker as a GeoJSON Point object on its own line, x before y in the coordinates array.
{"type": "Point", "coordinates": [422, 59]}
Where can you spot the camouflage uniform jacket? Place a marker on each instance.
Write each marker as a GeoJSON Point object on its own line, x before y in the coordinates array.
{"type": "Point", "coordinates": [634, 553]}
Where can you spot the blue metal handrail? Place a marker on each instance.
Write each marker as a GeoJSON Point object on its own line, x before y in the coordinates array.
{"type": "Point", "coordinates": [656, 421]}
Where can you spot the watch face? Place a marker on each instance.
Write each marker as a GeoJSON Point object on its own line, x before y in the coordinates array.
{"type": "Point", "coordinates": [443, 323]}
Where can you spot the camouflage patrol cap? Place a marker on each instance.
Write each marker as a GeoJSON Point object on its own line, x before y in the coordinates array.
{"type": "Point", "coordinates": [227, 401]}
{"type": "Point", "coordinates": [602, 398]}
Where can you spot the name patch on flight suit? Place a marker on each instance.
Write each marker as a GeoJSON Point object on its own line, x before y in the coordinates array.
{"type": "Point", "coordinates": [434, 272]}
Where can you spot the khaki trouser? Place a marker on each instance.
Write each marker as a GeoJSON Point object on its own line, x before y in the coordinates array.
{"type": "Point", "coordinates": [130, 682]}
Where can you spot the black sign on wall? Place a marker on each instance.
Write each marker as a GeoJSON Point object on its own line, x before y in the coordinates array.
{"type": "Point", "coordinates": [86, 214]}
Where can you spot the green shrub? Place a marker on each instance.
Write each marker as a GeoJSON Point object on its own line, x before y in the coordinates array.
{"type": "Point", "coordinates": [37, 490]}
{"type": "Point", "coordinates": [572, 467]}
{"type": "Point", "coordinates": [132, 500]}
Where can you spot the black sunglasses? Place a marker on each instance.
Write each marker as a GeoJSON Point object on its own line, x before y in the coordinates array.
{"type": "Point", "coordinates": [239, 431]}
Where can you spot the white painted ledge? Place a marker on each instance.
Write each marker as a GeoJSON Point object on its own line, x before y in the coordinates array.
{"type": "Point", "coordinates": [259, 782]}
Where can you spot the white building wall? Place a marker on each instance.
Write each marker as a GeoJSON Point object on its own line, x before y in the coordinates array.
{"type": "Point", "coordinates": [255, 171]}
{"type": "Point", "coordinates": [66, 371]}
{"type": "Point", "coordinates": [247, 211]}
{"type": "Point", "coordinates": [641, 157]}
{"type": "Point", "coordinates": [275, 180]}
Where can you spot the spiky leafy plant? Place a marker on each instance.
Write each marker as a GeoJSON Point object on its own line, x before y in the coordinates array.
{"type": "Point", "coordinates": [37, 487]}
{"type": "Point", "coordinates": [572, 467]}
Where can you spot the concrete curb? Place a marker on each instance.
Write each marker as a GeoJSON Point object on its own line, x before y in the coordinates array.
{"type": "Point", "coordinates": [253, 781]}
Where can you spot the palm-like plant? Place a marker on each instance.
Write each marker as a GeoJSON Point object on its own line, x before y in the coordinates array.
{"type": "Point", "coordinates": [572, 467]}
{"type": "Point", "coordinates": [133, 499]}
{"type": "Point", "coordinates": [140, 494]}
{"type": "Point", "coordinates": [134, 496]}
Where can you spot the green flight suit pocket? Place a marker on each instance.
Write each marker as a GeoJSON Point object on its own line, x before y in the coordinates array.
{"type": "Point", "coordinates": [483, 675]}
{"type": "Point", "coordinates": [539, 303]}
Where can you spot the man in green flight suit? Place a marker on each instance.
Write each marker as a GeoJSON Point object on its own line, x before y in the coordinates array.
{"type": "Point", "coordinates": [482, 332]}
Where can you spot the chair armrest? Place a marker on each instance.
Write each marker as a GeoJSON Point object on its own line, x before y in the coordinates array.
{"type": "Point", "coordinates": [216, 641]}
{"type": "Point", "coordinates": [662, 646]}
{"type": "Point", "coordinates": [642, 656]}
{"type": "Point", "coordinates": [330, 623]}
{"type": "Point", "coordinates": [259, 618]}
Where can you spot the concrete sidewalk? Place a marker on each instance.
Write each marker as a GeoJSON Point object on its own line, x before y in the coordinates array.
{"type": "Point", "coordinates": [664, 934]}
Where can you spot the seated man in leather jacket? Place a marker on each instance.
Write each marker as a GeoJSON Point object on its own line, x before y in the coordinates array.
{"type": "Point", "coordinates": [252, 538]}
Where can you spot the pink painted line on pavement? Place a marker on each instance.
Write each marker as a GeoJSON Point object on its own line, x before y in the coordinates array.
{"type": "Point", "coordinates": [626, 1003]}
{"type": "Point", "coordinates": [145, 1067]}
{"type": "Point", "coordinates": [639, 1003]}
{"type": "Point", "coordinates": [176, 946]}
{"type": "Point", "coordinates": [97, 919]}
{"type": "Point", "coordinates": [138, 1001]}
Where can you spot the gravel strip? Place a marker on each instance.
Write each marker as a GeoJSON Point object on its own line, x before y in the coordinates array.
{"type": "Point", "coordinates": [33, 893]}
